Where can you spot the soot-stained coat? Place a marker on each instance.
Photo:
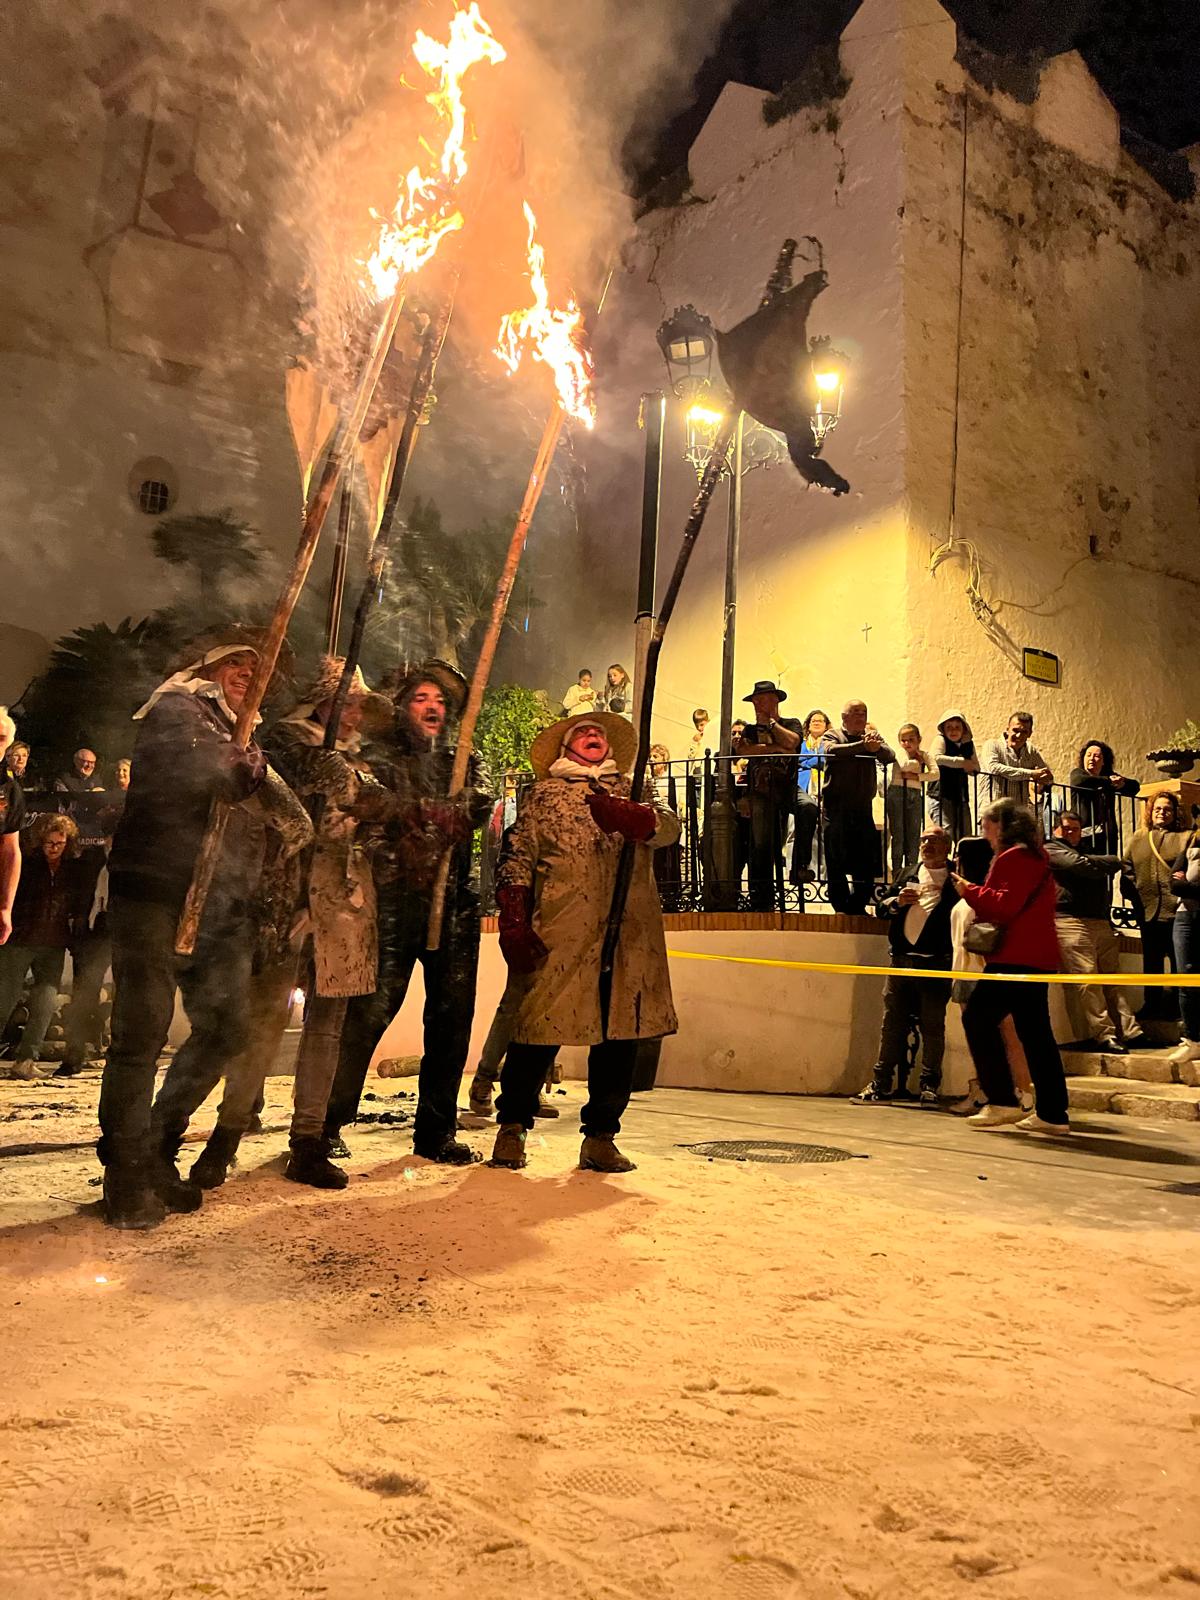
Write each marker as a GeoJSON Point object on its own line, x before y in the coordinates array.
{"type": "Point", "coordinates": [556, 848]}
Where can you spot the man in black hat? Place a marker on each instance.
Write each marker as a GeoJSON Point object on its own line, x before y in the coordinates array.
{"type": "Point", "coordinates": [416, 765]}
{"type": "Point", "coordinates": [772, 786]}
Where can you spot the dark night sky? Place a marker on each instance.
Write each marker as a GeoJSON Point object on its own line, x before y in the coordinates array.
{"type": "Point", "coordinates": [1144, 53]}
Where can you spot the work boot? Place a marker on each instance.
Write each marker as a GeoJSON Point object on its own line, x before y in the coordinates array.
{"type": "Point", "coordinates": [599, 1153]}
{"type": "Point", "coordinates": [509, 1148]}
{"type": "Point", "coordinates": [339, 1150]}
{"type": "Point", "coordinates": [130, 1202]}
{"type": "Point", "coordinates": [176, 1193]}
{"type": "Point", "coordinates": [453, 1153]}
{"type": "Point", "coordinates": [545, 1107]}
{"type": "Point", "coordinates": [309, 1163]}
{"type": "Point", "coordinates": [211, 1166]}
{"type": "Point", "coordinates": [479, 1096]}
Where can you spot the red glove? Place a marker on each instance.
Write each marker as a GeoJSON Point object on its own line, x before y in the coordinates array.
{"type": "Point", "coordinates": [611, 814]}
{"type": "Point", "coordinates": [519, 945]}
{"type": "Point", "coordinates": [450, 820]}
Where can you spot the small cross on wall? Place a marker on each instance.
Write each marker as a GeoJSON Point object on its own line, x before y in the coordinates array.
{"type": "Point", "coordinates": [866, 633]}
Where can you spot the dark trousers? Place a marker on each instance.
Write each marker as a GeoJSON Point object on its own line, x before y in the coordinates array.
{"type": "Point", "coordinates": [1187, 959]}
{"type": "Point", "coordinates": [905, 1001]}
{"type": "Point", "coordinates": [1158, 955]}
{"type": "Point", "coordinates": [766, 849]}
{"type": "Point", "coordinates": [146, 974]}
{"type": "Point", "coordinates": [449, 1011]}
{"type": "Point", "coordinates": [1029, 1007]}
{"type": "Point", "coordinates": [851, 853]}
{"type": "Point", "coordinates": [610, 1083]}
{"type": "Point", "coordinates": [83, 1023]}
{"type": "Point", "coordinates": [804, 831]}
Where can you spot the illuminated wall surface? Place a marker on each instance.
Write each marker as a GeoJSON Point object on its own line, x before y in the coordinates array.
{"type": "Point", "coordinates": [136, 323]}
{"type": "Point", "coordinates": [1078, 417]}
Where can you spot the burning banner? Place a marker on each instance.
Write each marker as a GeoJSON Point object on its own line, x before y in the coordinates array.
{"type": "Point", "coordinates": [553, 336]}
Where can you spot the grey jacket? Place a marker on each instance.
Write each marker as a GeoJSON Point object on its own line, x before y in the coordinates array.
{"type": "Point", "coordinates": [1007, 773]}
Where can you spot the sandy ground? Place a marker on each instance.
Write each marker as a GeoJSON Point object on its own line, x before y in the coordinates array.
{"type": "Point", "coordinates": [705, 1379]}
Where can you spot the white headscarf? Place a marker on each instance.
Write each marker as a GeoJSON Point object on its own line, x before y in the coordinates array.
{"type": "Point", "coordinates": [191, 680]}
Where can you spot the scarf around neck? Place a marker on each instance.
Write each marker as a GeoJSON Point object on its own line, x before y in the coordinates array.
{"type": "Point", "coordinates": [576, 772]}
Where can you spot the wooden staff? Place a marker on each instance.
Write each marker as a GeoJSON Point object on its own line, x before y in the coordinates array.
{"type": "Point", "coordinates": [345, 440]}
{"type": "Point", "coordinates": [487, 653]}
{"type": "Point", "coordinates": [431, 349]}
{"type": "Point", "coordinates": [713, 473]}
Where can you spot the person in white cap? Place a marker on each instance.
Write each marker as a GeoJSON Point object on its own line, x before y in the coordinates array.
{"type": "Point", "coordinates": [554, 891]}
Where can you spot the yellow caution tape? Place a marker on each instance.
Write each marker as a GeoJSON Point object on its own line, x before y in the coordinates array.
{"type": "Point", "coordinates": [1133, 980]}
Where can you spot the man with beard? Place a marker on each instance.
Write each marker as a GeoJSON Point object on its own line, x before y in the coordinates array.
{"type": "Point", "coordinates": [185, 758]}
{"type": "Point", "coordinates": [416, 765]}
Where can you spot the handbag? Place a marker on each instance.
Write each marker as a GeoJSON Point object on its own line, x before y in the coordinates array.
{"type": "Point", "coordinates": [985, 938]}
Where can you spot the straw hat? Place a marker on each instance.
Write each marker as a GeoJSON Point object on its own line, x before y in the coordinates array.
{"type": "Point", "coordinates": [619, 731]}
{"type": "Point", "coordinates": [329, 675]}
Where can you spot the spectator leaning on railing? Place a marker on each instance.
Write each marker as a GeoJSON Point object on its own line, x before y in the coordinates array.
{"type": "Point", "coordinates": [953, 754]}
{"type": "Point", "coordinates": [1095, 787]}
{"type": "Point", "coordinates": [1012, 763]}
{"type": "Point", "coordinates": [851, 839]}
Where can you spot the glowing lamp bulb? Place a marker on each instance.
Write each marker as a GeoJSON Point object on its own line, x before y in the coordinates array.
{"type": "Point", "coordinates": [705, 417]}
{"type": "Point", "coordinates": [827, 382]}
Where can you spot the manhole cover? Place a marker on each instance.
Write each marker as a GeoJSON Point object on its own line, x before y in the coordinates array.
{"type": "Point", "coordinates": [774, 1150]}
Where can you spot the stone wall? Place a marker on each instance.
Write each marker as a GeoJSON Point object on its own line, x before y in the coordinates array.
{"type": "Point", "coordinates": [1078, 421]}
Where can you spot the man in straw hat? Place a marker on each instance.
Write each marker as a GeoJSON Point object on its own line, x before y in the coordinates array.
{"type": "Point", "coordinates": [555, 888]}
{"type": "Point", "coordinates": [415, 764]}
{"type": "Point", "coordinates": [185, 759]}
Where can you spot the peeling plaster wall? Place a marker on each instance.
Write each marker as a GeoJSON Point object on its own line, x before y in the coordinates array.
{"type": "Point", "coordinates": [1079, 423]}
{"type": "Point", "coordinates": [1078, 411]}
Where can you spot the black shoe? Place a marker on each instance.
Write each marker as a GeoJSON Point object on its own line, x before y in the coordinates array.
{"type": "Point", "coordinates": [176, 1193]}
{"type": "Point", "coordinates": [339, 1150]}
{"type": "Point", "coordinates": [454, 1153]}
{"type": "Point", "coordinates": [1110, 1047]}
{"type": "Point", "coordinates": [309, 1163]}
{"type": "Point", "coordinates": [211, 1166]}
{"type": "Point", "coordinates": [904, 1093]}
{"type": "Point", "coordinates": [129, 1201]}
{"type": "Point", "coordinates": [69, 1069]}
{"type": "Point", "coordinates": [875, 1094]}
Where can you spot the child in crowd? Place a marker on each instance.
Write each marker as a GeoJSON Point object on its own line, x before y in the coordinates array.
{"type": "Point", "coordinates": [904, 802]}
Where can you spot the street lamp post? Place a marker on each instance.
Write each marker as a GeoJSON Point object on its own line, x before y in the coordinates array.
{"type": "Point", "coordinates": [688, 341]}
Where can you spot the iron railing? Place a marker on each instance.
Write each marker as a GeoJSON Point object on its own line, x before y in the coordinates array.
{"type": "Point", "coordinates": [781, 879]}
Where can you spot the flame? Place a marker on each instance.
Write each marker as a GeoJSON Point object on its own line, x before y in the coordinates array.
{"type": "Point", "coordinates": [554, 335]}
{"type": "Point", "coordinates": [425, 211]}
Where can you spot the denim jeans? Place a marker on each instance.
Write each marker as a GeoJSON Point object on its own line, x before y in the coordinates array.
{"type": "Point", "coordinates": [45, 965]}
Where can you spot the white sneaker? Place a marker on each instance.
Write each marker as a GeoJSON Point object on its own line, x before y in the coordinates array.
{"type": "Point", "coordinates": [997, 1117]}
{"type": "Point", "coordinates": [1034, 1124]}
{"type": "Point", "coordinates": [1188, 1050]}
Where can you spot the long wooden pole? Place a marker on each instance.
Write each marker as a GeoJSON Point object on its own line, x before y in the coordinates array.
{"type": "Point", "coordinates": [431, 349]}
{"type": "Point", "coordinates": [487, 652]}
{"type": "Point", "coordinates": [713, 473]}
{"type": "Point", "coordinates": [344, 442]}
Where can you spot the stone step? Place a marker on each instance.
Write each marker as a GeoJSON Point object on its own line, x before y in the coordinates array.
{"type": "Point", "coordinates": [1132, 1097]}
{"type": "Point", "coordinates": [1145, 1066]}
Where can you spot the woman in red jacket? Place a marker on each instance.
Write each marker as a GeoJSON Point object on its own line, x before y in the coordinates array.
{"type": "Point", "coordinates": [1018, 896]}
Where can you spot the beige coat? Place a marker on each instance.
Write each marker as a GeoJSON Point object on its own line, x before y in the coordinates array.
{"type": "Point", "coordinates": [341, 890]}
{"type": "Point", "coordinates": [1152, 875]}
{"type": "Point", "coordinates": [556, 847]}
